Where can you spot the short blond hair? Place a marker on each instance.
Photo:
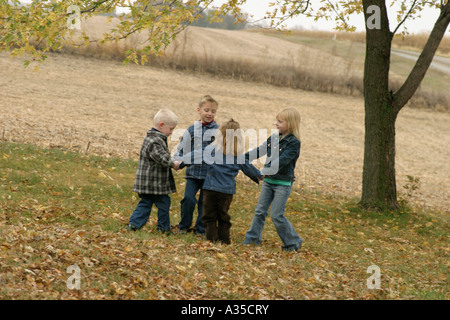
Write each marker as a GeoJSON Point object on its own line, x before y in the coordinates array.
{"type": "Point", "coordinates": [292, 117]}
{"type": "Point", "coordinates": [166, 116]}
{"type": "Point", "coordinates": [206, 99]}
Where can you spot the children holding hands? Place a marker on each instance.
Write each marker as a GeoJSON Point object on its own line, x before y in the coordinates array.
{"type": "Point", "coordinates": [213, 159]}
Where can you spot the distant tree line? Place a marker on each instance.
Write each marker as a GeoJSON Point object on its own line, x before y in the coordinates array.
{"type": "Point", "coordinates": [228, 22]}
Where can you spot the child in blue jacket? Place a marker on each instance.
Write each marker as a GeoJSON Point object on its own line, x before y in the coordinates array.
{"type": "Point", "coordinates": [225, 160]}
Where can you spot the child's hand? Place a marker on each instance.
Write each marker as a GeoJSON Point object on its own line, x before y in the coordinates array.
{"type": "Point", "coordinates": [176, 164]}
{"type": "Point", "coordinates": [262, 178]}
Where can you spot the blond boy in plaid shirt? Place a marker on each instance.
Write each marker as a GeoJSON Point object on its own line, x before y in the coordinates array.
{"type": "Point", "coordinates": [154, 179]}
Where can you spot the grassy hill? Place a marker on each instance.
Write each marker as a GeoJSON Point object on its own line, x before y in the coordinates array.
{"type": "Point", "coordinates": [60, 209]}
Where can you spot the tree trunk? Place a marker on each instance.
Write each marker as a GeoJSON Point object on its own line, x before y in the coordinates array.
{"type": "Point", "coordinates": [379, 185]}
{"type": "Point", "coordinates": [382, 106]}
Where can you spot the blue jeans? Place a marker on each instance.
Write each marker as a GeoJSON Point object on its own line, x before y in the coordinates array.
{"type": "Point", "coordinates": [188, 205]}
{"type": "Point", "coordinates": [140, 215]}
{"type": "Point", "coordinates": [274, 197]}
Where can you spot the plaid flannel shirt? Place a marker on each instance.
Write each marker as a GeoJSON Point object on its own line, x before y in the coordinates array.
{"type": "Point", "coordinates": [154, 173]}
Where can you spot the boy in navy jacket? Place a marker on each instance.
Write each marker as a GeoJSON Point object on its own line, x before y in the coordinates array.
{"type": "Point", "coordinates": [196, 138]}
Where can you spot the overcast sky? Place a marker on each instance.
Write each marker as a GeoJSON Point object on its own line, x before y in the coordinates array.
{"type": "Point", "coordinates": [259, 7]}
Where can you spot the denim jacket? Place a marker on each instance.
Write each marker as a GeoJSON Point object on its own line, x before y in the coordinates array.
{"type": "Point", "coordinates": [221, 175]}
{"type": "Point", "coordinates": [196, 137]}
{"type": "Point", "coordinates": [278, 166]}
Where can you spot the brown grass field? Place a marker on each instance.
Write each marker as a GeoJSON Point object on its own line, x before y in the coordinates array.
{"type": "Point", "coordinates": [304, 60]}
{"type": "Point", "coordinates": [103, 107]}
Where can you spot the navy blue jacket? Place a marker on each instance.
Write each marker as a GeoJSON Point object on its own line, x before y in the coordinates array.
{"type": "Point", "coordinates": [196, 138]}
{"type": "Point", "coordinates": [278, 166]}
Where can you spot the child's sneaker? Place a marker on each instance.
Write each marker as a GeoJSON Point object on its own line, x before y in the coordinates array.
{"type": "Point", "coordinates": [199, 233]}
{"type": "Point", "coordinates": [166, 232]}
{"type": "Point", "coordinates": [130, 227]}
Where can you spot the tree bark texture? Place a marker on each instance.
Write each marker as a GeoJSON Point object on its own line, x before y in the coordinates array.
{"type": "Point", "coordinates": [379, 184]}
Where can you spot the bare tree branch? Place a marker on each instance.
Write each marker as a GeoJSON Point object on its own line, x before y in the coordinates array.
{"type": "Point", "coordinates": [405, 17]}
{"type": "Point", "coordinates": [402, 96]}
{"type": "Point", "coordinates": [92, 9]}
{"type": "Point", "coordinates": [301, 8]}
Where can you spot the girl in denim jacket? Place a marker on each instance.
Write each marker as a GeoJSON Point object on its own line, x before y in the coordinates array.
{"type": "Point", "coordinates": [225, 158]}
{"type": "Point", "coordinates": [279, 176]}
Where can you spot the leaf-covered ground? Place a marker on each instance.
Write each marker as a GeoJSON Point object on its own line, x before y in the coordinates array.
{"type": "Point", "coordinates": [60, 209]}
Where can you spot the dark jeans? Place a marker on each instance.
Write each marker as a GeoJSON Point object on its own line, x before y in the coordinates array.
{"type": "Point", "coordinates": [188, 205]}
{"type": "Point", "coordinates": [140, 215]}
{"type": "Point", "coordinates": [215, 215]}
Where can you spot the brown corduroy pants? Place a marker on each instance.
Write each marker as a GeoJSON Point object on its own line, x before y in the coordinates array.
{"type": "Point", "coordinates": [215, 216]}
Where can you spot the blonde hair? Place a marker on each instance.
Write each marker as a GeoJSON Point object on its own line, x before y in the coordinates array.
{"type": "Point", "coordinates": [166, 116]}
{"type": "Point", "coordinates": [292, 117]}
{"type": "Point", "coordinates": [206, 99]}
{"type": "Point", "coordinates": [230, 138]}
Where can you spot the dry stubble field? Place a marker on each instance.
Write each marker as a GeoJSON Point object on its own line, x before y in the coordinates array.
{"type": "Point", "coordinates": [80, 103]}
